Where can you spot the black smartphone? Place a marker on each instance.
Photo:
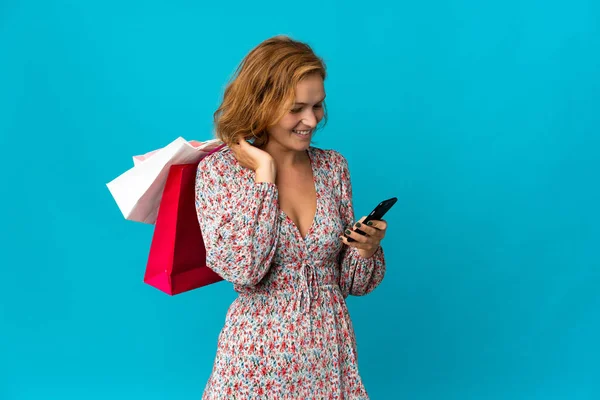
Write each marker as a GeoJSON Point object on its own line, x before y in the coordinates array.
{"type": "Point", "coordinates": [377, 213]}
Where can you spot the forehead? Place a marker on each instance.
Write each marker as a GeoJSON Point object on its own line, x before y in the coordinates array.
{"type": "Point", "coordinates": [310, 89]}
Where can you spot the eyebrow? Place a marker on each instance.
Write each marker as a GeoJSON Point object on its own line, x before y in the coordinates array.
{"type": "Point", "coordinates": [301, 103]}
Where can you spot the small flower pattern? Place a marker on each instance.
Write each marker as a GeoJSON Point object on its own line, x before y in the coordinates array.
{"type": "Point", "coordinates": [288, 334]}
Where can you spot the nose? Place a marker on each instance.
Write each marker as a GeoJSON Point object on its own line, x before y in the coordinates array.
{"type": "Point", "coordinates": [310, 119]}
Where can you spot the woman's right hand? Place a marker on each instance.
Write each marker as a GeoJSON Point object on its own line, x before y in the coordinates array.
{"type": "Point", "coordinates": [255, 159]}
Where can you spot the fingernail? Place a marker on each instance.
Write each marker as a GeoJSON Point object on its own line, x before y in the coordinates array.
{"type": "Point", "coordinates": [358, 225]}
{"type": "Point", "coordinates": [348, 231]}
{"type": "Point", "coordinates": [370, 223]}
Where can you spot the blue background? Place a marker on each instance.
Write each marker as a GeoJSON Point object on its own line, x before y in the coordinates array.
{"type": "Point", "coordinates": [482, 117]}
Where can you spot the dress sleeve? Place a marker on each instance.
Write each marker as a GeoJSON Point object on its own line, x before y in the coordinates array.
{"type": "Point", "coordinates": [358, 276]}
{"type": "Point", "coordinates": [239, 221]}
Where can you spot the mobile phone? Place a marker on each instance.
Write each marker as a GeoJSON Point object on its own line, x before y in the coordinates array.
{"type": "Point", "coordinates": [377, 213]}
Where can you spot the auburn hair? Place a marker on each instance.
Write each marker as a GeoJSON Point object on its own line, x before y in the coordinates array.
{"type": "Point", "coordinates": [263, 87]}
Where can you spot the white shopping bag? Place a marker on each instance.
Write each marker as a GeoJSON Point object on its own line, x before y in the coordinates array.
{"type": "Point", "coordinates": [138, 191]}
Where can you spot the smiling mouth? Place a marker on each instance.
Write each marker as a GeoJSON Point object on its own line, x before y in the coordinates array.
{"type": "Point", "coordinates": [302, 133]}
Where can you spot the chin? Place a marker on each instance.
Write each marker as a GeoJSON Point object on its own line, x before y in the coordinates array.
{"type": "Point", "coordinates": [294, 144]}
{"type": "Point", "coordinates": [301, 146]}
{"type": "Point", "coordinates": [301, 143]}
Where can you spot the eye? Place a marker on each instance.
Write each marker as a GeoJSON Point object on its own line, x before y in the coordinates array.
{"type": "Point", "coordinates": [295, 110]}
{"type": "Point", "coordinates": [318, 106]}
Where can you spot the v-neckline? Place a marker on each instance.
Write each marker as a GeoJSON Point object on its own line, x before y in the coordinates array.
{"type": "Point", "coordinates": [315, 183]}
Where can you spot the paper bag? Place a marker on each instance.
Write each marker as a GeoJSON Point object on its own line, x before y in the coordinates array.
{"type": "Point", "coordinates": [138, 191]}
{"type": "Point", "coordinates": [177, 260]}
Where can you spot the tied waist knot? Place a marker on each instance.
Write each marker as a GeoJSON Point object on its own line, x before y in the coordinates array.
{"type": "Point", "coordinates": [310, 289]}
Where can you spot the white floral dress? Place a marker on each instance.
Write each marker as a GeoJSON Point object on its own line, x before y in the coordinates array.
{"type": "Point", "coordinates": [288, 334]}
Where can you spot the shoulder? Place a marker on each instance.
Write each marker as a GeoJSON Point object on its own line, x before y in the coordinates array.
{"type": "Point", "coordinates": [223, 169]}
{"type": "Point", "coordinates": [222, 160]}
{"type": "Point", "coordinates": [331, 159]}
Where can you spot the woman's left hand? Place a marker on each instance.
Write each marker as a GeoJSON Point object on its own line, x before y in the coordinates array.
{"type": "Point", "coordinates": [366, 244]}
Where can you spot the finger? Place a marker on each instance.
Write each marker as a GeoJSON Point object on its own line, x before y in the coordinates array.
{"type": "Point", "coordinates": [360, 221]}
{"type": "Point", "coordinates": [235, 147]}
{"type": "Point", "coordinates": [378, 224]}
{"type": "Point", "coordinates": [355, 244]}
{"type": "Point", "coordinates": [370, 231]}
{"type": "Point", "coordinates": [344, 240]}
{"type": "Point", "coordinates": [240, 149]}
{"type": "Point", "coordinates": [237, 152]}
{"type": "Point", "coordinates": [244, 144]}
{"type": "Point", "coordinates": [356, 236]}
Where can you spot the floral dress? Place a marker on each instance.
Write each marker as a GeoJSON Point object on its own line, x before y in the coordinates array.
{"type": "Point", "coordinates": [288, 334]}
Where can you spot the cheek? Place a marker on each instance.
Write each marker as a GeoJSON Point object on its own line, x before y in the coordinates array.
{"type": "Point", "coordinates": [320, 114]}
{"type": "Point", "coordinates": [288, 122]}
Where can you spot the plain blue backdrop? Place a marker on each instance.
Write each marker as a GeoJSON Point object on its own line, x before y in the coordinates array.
{"type": "Point", "coordinates": [482, 117]}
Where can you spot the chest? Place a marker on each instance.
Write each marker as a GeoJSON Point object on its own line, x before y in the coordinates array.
{"type": "Point", "coordinates": [297, 197]}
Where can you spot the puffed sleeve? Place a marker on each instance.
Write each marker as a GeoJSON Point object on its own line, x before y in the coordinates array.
{"type": "Point", "coordinates": [239, 220]}
{"type": "Point", "coordinates": [358, 276]}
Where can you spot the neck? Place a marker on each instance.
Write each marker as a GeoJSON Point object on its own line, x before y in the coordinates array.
{"type": "Point", "coordinates": [285, 158]}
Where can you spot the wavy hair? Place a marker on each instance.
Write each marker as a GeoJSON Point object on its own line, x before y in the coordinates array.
{"type": "Point", "coordinates": [263, 87]}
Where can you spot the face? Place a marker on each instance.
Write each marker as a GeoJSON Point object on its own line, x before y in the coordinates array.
{"type": "Point", "coordinates": [295, 130]}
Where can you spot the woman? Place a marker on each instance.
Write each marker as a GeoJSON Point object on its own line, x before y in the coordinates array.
{"type": "Point", "coordinates": [274, 216]}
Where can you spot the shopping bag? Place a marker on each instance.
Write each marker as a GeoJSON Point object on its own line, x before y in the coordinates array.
{"type": "Point", "coordinates": [138, 190]}
{"type": "Point", "coordinates": [177, 259]}
{"type": "Point", "coordinates": [194, 143]}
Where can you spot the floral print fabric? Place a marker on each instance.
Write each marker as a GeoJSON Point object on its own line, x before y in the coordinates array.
{"type": "Point", "coordinates": [288, 334]}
